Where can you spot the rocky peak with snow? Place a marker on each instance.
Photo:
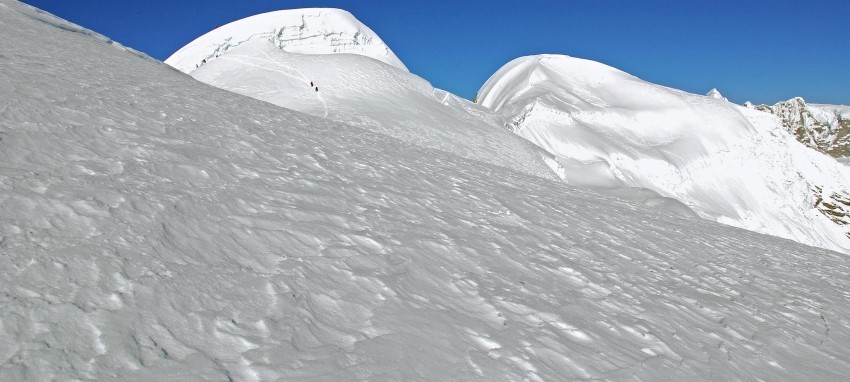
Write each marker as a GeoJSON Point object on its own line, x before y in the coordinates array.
{"type": "Point", "coordinates": [825, 128]}
{"type": "Point", "coordinates": [304, 31]}
{"type": "Point", "coordinates": [714, 93]}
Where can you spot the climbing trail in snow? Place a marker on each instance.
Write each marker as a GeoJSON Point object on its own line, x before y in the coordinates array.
{"type": "Point", "coordinates": [286, 71]}
{"type": "Point", "coordinates": [271, 61]}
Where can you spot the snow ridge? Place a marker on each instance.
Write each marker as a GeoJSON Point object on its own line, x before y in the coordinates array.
{"type": "Point", "coordinates": [304, 31]}
{"type": "Point", "coordinates": [728, 163]}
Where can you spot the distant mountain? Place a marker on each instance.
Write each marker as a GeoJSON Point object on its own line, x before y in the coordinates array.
{"type": "Point", "coordinates": [714, 93]}
{"type": "Point", "coordinates": [728, 163]}
{"type": "Point", "coordinates": [825, 128]}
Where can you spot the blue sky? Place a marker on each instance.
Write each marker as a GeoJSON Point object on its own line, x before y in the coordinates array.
{"type": "Point", "coordinates": [764, 51]}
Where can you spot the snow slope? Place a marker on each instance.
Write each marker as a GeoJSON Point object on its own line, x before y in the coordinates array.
{"type": "Point", "coordinates": [360, 91]}
{"type": "Point", "coordinates": [155, 228]}
{"type": "Point", "coordinates": [305, 31]}
{"type": "Point", "coordinates": [729, 164]}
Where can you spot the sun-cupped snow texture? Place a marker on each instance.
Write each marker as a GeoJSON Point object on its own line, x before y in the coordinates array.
{"type": "Point", "coordinates": [306, 31]}
{"type": "Point", "coordinates": [363, 92]}
{"type": "Point", "coordinates": [729, 164]}
{"type": "Point", "coordinates": [155, 228]}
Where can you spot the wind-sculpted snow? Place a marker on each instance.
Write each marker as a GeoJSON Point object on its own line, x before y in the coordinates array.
{"type": "Point", "coordinates": [727, 163]}
{"type": "Point", "coordinates": [155, 228]}
{"type": "Point", "coordinates": [305, 31]}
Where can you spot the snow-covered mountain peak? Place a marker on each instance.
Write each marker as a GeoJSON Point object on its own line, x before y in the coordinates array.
{"type": "Point", "coordinates": [645, 114]}
{"type": "Point", "coordinates": [728, 163]}
{"type": "Point", "coordinates": [304, 31]}
{"type": "Point", "coordinates": [359, 90]}
{"type": "Point", "coordinates": [714, 93]}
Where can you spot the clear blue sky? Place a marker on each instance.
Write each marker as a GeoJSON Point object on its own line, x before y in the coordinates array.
{"type": "Point", "coordinates": [764, 51]}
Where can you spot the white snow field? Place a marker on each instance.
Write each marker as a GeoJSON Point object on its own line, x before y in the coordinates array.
{"type": "Point", "coordinates": [358, 89]}
{"type": "Point", "coordinates": [727, 163]}
{"type": "Point", "coordinates": [157, 228]}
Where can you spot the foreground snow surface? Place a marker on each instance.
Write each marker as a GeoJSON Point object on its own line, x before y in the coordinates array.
{"type": "Point", "coordinates": [728, 163]}
{"type": "Point", "coordinates": [155, 228]}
